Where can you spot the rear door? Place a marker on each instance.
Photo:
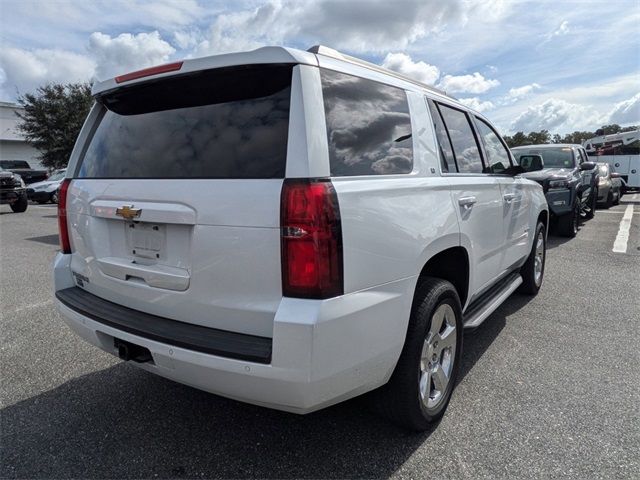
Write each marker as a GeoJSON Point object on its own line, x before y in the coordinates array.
{"type": "Point", "coordinates": [476, 195]}
{"type": "Point", "coordinates": [174, 206]}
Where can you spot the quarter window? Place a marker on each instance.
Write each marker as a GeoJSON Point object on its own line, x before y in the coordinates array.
{"type": "Point", "coordinates": [368, 126]}
{"type": "Point", "coordinates": [465, 147]}
{"type": "Point", "coordinates": [447, 158]}
{"type": "Point", "coordinates": [497, 155]}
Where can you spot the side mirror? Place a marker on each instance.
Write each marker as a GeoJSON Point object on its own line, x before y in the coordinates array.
{"type": "Point", "coordinates": [531, 163]}
{"type": "Point", "coordinates": [587, 166]}
{"type": "Point", "coordinates": [615, 175]}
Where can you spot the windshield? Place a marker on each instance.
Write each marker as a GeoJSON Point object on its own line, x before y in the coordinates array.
{"type": "Point", "coordinates": [560, 157]}
{"type": "Point", "coordinates": [604, 170]}
{"type": "Point", "coordinates": [221, 123]}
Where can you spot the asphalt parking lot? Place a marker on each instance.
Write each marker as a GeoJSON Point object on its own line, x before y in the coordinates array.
{"type": "Point", "coordinates": [550, 387]}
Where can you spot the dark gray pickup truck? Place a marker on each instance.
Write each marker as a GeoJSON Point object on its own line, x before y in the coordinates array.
{"type": "Point", "coordinates": [13, 191]}
{"type": "Point", "coordinates": [569, 181]}
{"type": "Point", "coordinates": [22, 168]}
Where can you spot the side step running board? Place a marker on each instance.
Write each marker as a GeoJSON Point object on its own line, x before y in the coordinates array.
{"type": "Point", "coordinates": [484, 307]}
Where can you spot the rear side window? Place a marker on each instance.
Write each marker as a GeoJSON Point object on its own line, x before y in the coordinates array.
{"type": "Point", "coordinates": [222, 123]}
{"type": "Point", "coordinates": [463, 140]}
{"type": "Point", "coordinates": [447, 158]}
{"type": "Point", "coordinates": [368, 126]}
{"type": "Point", "coordinates": [497, 155]}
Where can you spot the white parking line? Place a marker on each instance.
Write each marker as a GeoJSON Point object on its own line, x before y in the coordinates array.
{"type": "Point", "coordinates": [620, 244]}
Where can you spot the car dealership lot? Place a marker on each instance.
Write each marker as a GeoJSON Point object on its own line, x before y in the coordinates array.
{"type": "Point", "coordinates": [549, 387]}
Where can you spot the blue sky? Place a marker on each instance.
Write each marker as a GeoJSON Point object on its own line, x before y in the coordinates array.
{"type": "Point", "coordinates": [563, 65]}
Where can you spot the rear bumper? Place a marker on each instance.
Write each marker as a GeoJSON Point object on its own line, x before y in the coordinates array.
{"type": "Point", "coordinates": [322, 351]}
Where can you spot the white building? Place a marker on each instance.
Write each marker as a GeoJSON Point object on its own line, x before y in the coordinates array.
{"type": "Point", "coordinates": [12, 143]}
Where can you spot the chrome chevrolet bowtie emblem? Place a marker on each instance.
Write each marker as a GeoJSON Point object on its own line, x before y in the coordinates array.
{"type": "Point", "coordinates": [128, 212]}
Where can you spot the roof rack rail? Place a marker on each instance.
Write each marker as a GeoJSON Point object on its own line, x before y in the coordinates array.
{"type": "Point", "coordinates": [330, 52]}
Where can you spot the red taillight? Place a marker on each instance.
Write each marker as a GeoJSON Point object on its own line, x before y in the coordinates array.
{"type": "Point", "coordinates": [311, 239]}
{"type": "Point", "coordinates": [146, 72]}
{"type": "Point", "coordinates": [65, 245]}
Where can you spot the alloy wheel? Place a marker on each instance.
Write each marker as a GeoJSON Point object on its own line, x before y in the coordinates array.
{"type": "Point", "coordinates": [538, 263]}
{"type": "Point", "coordinates": [438, 357]}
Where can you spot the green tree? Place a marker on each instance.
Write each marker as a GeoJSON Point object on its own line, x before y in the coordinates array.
{"type": "Point", "coordinates": [536, 138]}
{"type": "Point", "coordinates": [52, 119]}
{"type": "Point", "coordinates": [577, 137]}
{"type": "Point", "coordinates": [518, 139]}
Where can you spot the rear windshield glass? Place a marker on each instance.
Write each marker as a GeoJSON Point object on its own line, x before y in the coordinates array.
{"type": "Point", "coordinates": [561, 157]}
{"type": "Point", "coordinates": [223, 123]}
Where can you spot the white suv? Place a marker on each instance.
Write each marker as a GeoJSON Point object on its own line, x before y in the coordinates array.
{"type": "Point", "coordinates": [292, 229]}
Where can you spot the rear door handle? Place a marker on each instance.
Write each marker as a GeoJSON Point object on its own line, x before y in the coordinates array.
{"type": "Point", "coordinates": [508, 197]}
{"type": "Point", "coordinates": [466, 202]}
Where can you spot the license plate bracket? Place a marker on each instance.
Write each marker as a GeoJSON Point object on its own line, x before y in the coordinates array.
{"type": "Point", "coordinates": [146, 240]}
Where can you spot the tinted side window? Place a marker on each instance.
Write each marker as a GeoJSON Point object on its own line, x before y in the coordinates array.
{"type": "Point", "coordinates": [497, 155]}
{"type": "Point", "coordinates": [583, 157]}
{"type": "Point", "coordinates": [464, 143]}
{"type": "Point", "coordinates": [447, 159]}
{"type": "Point", "coordinates": [368, 126]}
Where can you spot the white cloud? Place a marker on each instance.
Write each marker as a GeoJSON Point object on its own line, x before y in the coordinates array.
{"type": "Point", "coordinates": [26, 70]}
{"type": "Point", "coordinates": [421, 71]}
{"type": "Point", "coordinates": [563, 29]}
{"type": "Point", "coordinates": [477, 104]}
{"type": "Point", "coordinates": [127, 52]}
{"type": "Point", "coordinates": [521, 92]}
{"type": "Point", "coordinates": [626, 112]}
{"type": "Point", "coordinates": [475, 83]}
{"type": "Point", "coordinates": [375, 26]}
{"type": "Point", "coordinates": [557, 115]}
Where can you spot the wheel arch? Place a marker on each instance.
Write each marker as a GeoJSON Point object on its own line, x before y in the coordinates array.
{"type": "Point", "coordinates": [451, 264]}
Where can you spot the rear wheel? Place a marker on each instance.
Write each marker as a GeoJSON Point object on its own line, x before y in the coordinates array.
{"type": "Point", "coordinates": [20, 205]}
{"type": "Point", "coordinates": [568, 224]}
{"type": "Point", "coordinates": [424, 378]}
{"type": "Point", "coordinates": [532, 271]}
{"type": "Point", "coordinates": [54, 197]}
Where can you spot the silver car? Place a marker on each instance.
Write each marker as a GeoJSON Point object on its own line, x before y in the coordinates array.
{"type": "Point", "coordinates": [609, 186]}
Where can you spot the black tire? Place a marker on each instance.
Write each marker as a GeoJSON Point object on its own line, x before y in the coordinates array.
{"type": "Point", "coordinates": [20, 205]}
{"type": "Point", "coordinates": [593, 203]}
{"type": "Point", "coordinates": [568, 224]}
{"type": "Point", "coordinates": [400, 399]}
{"type": "Point", "coordinates": [54, 197]}
{"type": "Point", "coordinates": [617, 200]}
{"type": "Point", "coordinates": [609, 201]}
{"type": "Point", "coordinates": [528, 271]}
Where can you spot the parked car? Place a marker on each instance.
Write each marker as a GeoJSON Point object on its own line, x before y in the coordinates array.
{"type": "Point", "coordinates": [12, 191]}
{"type": "Point", "coordinates": [570, 182]}
{"type": "Point", "coordinates": [46, 191]}
{"type": "Point", "coordinates": [293, 229]}
{"type": "Point", "coordinates": [22, 168]}
{"type": "Point", "coordinates": [609, 185]}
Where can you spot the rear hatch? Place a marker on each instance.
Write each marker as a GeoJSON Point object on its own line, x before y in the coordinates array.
{"type": "Point", "coordinates": [175, 203]}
